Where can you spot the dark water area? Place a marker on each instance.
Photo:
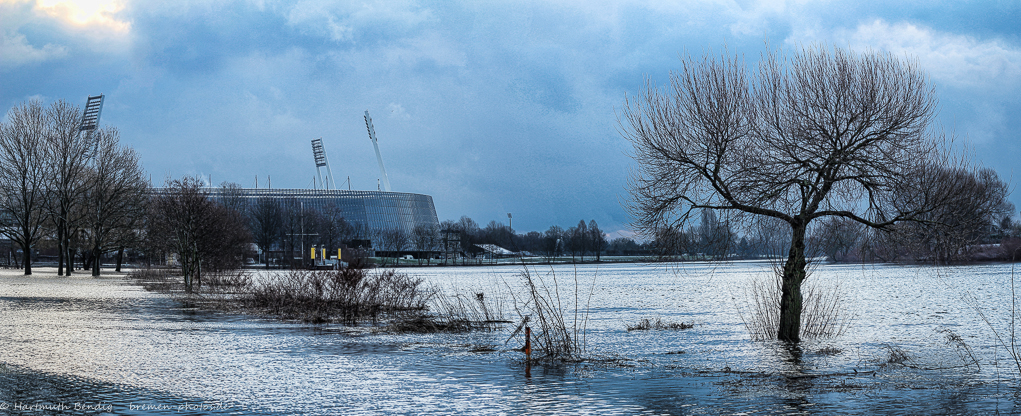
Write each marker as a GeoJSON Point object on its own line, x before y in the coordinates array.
{"type": "Point", "coordinates": [110, 345]}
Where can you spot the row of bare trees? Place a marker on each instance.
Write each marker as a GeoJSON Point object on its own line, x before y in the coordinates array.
{"type": "Point", "coordinates": [80, 189]}
{"type": "Point", "coordinates": [978, 226]}
{"type": "Point", "coordinates": [581, 240]}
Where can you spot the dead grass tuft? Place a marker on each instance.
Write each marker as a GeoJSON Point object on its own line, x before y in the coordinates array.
{"type": "Point", "coordinates": [646, 324]}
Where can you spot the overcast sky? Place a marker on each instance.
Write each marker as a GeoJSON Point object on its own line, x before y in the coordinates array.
{"type": "Point", "coordinates": [490, 107]}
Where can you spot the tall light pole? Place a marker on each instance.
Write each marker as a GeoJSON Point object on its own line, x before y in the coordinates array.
{"type": "Point", "coordinates": [372, 136]}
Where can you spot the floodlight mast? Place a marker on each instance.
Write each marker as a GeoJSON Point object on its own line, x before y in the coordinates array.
{"type": "Point", "coordinates": [90, 119]}
{"type": "Point", "coordinates": [320, 158]}
{"type": "Point", "coordinates": [372, 136]}
{"type": "Point", "coordinates": [93, 109]}
{"type": "Point", "coordinates": [319, 152]}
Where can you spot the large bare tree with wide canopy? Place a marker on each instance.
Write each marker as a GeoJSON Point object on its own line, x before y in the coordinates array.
{"type": "Point", "coordinates": [812, 134]}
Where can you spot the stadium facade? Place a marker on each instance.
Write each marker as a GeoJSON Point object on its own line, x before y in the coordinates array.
{"type": "Point", "coordinates": [365, 210]}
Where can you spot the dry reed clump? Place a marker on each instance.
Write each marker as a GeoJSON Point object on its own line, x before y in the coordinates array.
{"type": "Point", "coordinates": [822, 315]}
{"type": "Point", "coordinates": [348, 295]}
{"type": "Point", "coordinates": [227, 282]}
{"type": "Point", "coordinates": [896, 356]}
{"type": "Point", "coordinates": [166, 280]}
{"type": "Point", "coordinates": [456, 313]}
{"type": "Point", "coordinates": [1009, 339]}
{"type": "Point", "coordinates": [553, 338]}
{"type": "Point", "coordinates": [646, 324]}
{"type": "Point", "coordinates": [157, 280]}
{"type": "Point", "coordinates": [945, 350]}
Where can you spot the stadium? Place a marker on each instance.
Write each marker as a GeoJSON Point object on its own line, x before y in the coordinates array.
{"type": "Point", "coordinates": [365, 210]}
{"type": "Point", "coordinates": [369, 212]}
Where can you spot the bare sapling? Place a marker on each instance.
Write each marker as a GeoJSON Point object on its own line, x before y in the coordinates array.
{"type": "Point", "coordinates": [558, 334]}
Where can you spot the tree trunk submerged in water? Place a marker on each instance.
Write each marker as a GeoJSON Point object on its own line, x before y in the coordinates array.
{"type": "Point", "coordinates": [790, 288]}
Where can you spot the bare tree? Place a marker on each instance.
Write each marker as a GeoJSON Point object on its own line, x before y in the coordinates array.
{"type": "Point", "coordinates": [577, 240]}
{"type": "Point", "coordinates": [669, 242]}
{"type": "Point", "coordinates": [266, 222]}
{"type": "Point", "coordinates": [116, 198]}
{"type": "Point", "coordinates": [333, 229]}
{"type": "Point", "coordinates": [838, 238]}
{"type": "Point", "coordinates": [497, 233]}
{"type": "Point", "coordinates": [232, 197]}
{"type": "Point", "coordinates": [226, 240]}
{"type": "Point", "coordinates": [530, 242]}
{"type": "Point", "coordinates": [815, 134]}
{"type": "Point", "coordinates": [200, 231]}
{"type": "Point", "coordinates": [597, 240]}
{"type": "Point", "coordinates": [68, 156]}
{"type": "Point", "coordinates": [392, 240]}
{"type": "Point", "coordinates": [552, 242]}
{"type": "Point", "coordinates": [292, 231]}
{"type": "Point", "coordinates": [426, 238]}
{"type": "Point", "coordinates": [714, 236]}
{"type": "Point", "coordinates": [178, 216]}
{"type": "Point", "coordinates": [469, 236]}
{"type": "Point", "coordinates": [22, 176]}
{"type": "Point", "coordinates": [623, 246]}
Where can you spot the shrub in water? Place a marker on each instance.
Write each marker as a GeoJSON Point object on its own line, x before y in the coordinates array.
{"type": "Point", "coordinates": [822, 316]}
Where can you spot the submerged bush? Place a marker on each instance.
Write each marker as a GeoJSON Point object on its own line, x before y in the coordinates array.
{"type": "Point", "coordinates": [646, 324]}
{"type": "Point", "coordinates": [347, 295]}
{"type": "Point", "coordinates": [156, 280]}
{"type": "Point", "coordinates": [822, 313]}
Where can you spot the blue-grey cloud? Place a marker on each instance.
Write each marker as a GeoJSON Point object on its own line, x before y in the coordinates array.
{"type": "Point", "coordinates": [490, 107]}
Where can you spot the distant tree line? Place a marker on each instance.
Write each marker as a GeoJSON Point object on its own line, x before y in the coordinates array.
{"type": "Point", "coordinates": [464, 238]}
{"type": "Point", "coordinates": [979, 226]}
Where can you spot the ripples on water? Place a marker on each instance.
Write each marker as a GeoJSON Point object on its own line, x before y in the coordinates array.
{"type": "Point", "coordinates": [111, 345]}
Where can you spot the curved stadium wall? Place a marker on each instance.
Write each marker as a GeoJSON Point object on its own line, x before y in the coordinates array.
{"type": "Point", "coordinates": [367, 210]}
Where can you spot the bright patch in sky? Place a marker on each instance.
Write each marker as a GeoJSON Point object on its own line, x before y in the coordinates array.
{"type": "Point", "coordinates": [86, 12]}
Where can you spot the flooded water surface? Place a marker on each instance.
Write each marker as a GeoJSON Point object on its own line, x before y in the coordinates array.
{"type": "Point", "coordinates": [919, 340]}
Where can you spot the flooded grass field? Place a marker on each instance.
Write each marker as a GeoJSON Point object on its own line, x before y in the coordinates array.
{"type": "Point", "coordinates": [915, 344]}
